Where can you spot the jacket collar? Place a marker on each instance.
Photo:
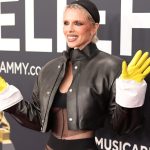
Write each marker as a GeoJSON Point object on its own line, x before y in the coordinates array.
{"type": "Point", "coordinates": [87, 52]}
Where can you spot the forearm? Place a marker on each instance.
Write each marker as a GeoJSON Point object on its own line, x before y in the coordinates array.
{"type": "Point", "coordinates": [127, 120]}
{"type": "Point", "coordinates": [27, 114]}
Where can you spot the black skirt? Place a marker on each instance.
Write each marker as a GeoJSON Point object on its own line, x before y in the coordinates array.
{"type": "Point", "coordinates": [79, 144]}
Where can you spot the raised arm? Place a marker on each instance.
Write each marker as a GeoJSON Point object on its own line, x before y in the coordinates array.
{"type": "Point", "coordinates": [130, 94]}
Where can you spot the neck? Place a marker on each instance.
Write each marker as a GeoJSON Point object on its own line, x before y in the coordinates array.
{"type": "Point", "coordinates": [83, 46]}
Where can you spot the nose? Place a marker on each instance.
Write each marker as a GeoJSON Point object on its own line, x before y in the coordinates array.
{"type": "Point", "coordinates": [70, 28]}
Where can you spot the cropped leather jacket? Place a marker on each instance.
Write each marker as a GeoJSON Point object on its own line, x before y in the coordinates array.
{"type": "Point", "coordinates": [90, 98]}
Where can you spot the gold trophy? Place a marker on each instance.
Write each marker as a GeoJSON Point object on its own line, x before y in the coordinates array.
{"type": "Point", "coordinates": [5, 142]}
{"type": "Point", "coordinates": [5, 129]}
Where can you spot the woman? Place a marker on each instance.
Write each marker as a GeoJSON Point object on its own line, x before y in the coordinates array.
{"type": "Point", "coordinates": [74, 93]}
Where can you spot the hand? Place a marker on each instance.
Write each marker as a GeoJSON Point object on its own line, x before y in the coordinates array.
{"type": "Point", "coordinates": [138, 68]}
{"type": "Point", "coordinates": [3, 84]}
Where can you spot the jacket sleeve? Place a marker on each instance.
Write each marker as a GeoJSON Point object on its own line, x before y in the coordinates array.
{"type": "Point", "coordinates": [28, 113]}
{"type": "Point", "coordinates": [124, 120]}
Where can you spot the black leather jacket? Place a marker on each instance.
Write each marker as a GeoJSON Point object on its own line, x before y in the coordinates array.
{"type": "Point", "coordinates": [91, 96]}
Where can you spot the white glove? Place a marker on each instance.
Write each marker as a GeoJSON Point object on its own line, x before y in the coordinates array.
{"type": "Point", "coordinates": [9, 97]}
{"type": "Point", "coordinates": [129, 93]}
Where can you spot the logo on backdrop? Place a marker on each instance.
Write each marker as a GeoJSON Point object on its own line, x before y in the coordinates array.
{"type": "Point", "coordinates": [108, 144]}
{"type": "Point", "coordinates": [20, 68]}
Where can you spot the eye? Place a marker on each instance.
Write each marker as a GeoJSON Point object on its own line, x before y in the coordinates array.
{"type": "Point", "coordinates": [66, 23]}
{"type": "Point", "coordinates": [78, 23]}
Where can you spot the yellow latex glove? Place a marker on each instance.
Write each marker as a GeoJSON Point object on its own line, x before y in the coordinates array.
{"type": "Point", "coordinates": [3, 84]}
{"type": "Point", "coordinates": [138, 68]}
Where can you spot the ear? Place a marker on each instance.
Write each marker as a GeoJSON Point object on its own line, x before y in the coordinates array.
{"type": "Point", "coordinates": [97, 25]}
{"type": "Point", "coordinates": [95, 28]}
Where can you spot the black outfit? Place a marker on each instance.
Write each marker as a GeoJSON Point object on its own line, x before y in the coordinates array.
{"type": "Point", "coordinates": [79, 144]}
{"type": "Point", "coordinates": [60, 128]}
{"type": "Point", "coordinates": [91, 96]}
{"type": "Point", "coordinates": [60, 100]}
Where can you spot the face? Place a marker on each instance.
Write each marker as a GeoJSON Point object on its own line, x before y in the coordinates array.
{"type": "Point", "coordinates": [78, 30]}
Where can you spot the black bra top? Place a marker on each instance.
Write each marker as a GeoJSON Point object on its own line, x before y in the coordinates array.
{"type": "Point", "coordinates": [60, 100]}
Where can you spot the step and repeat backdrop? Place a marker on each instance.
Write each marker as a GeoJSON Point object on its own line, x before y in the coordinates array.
{"type": "Point", "coordinates": [31, 34]}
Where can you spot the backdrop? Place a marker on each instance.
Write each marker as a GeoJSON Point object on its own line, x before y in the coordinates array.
{"type": "Point", "coordinates": [31, 34]}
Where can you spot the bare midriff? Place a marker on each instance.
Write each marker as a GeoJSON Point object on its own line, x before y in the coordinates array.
{"type": "Point", "coordinates": [60, 127]}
